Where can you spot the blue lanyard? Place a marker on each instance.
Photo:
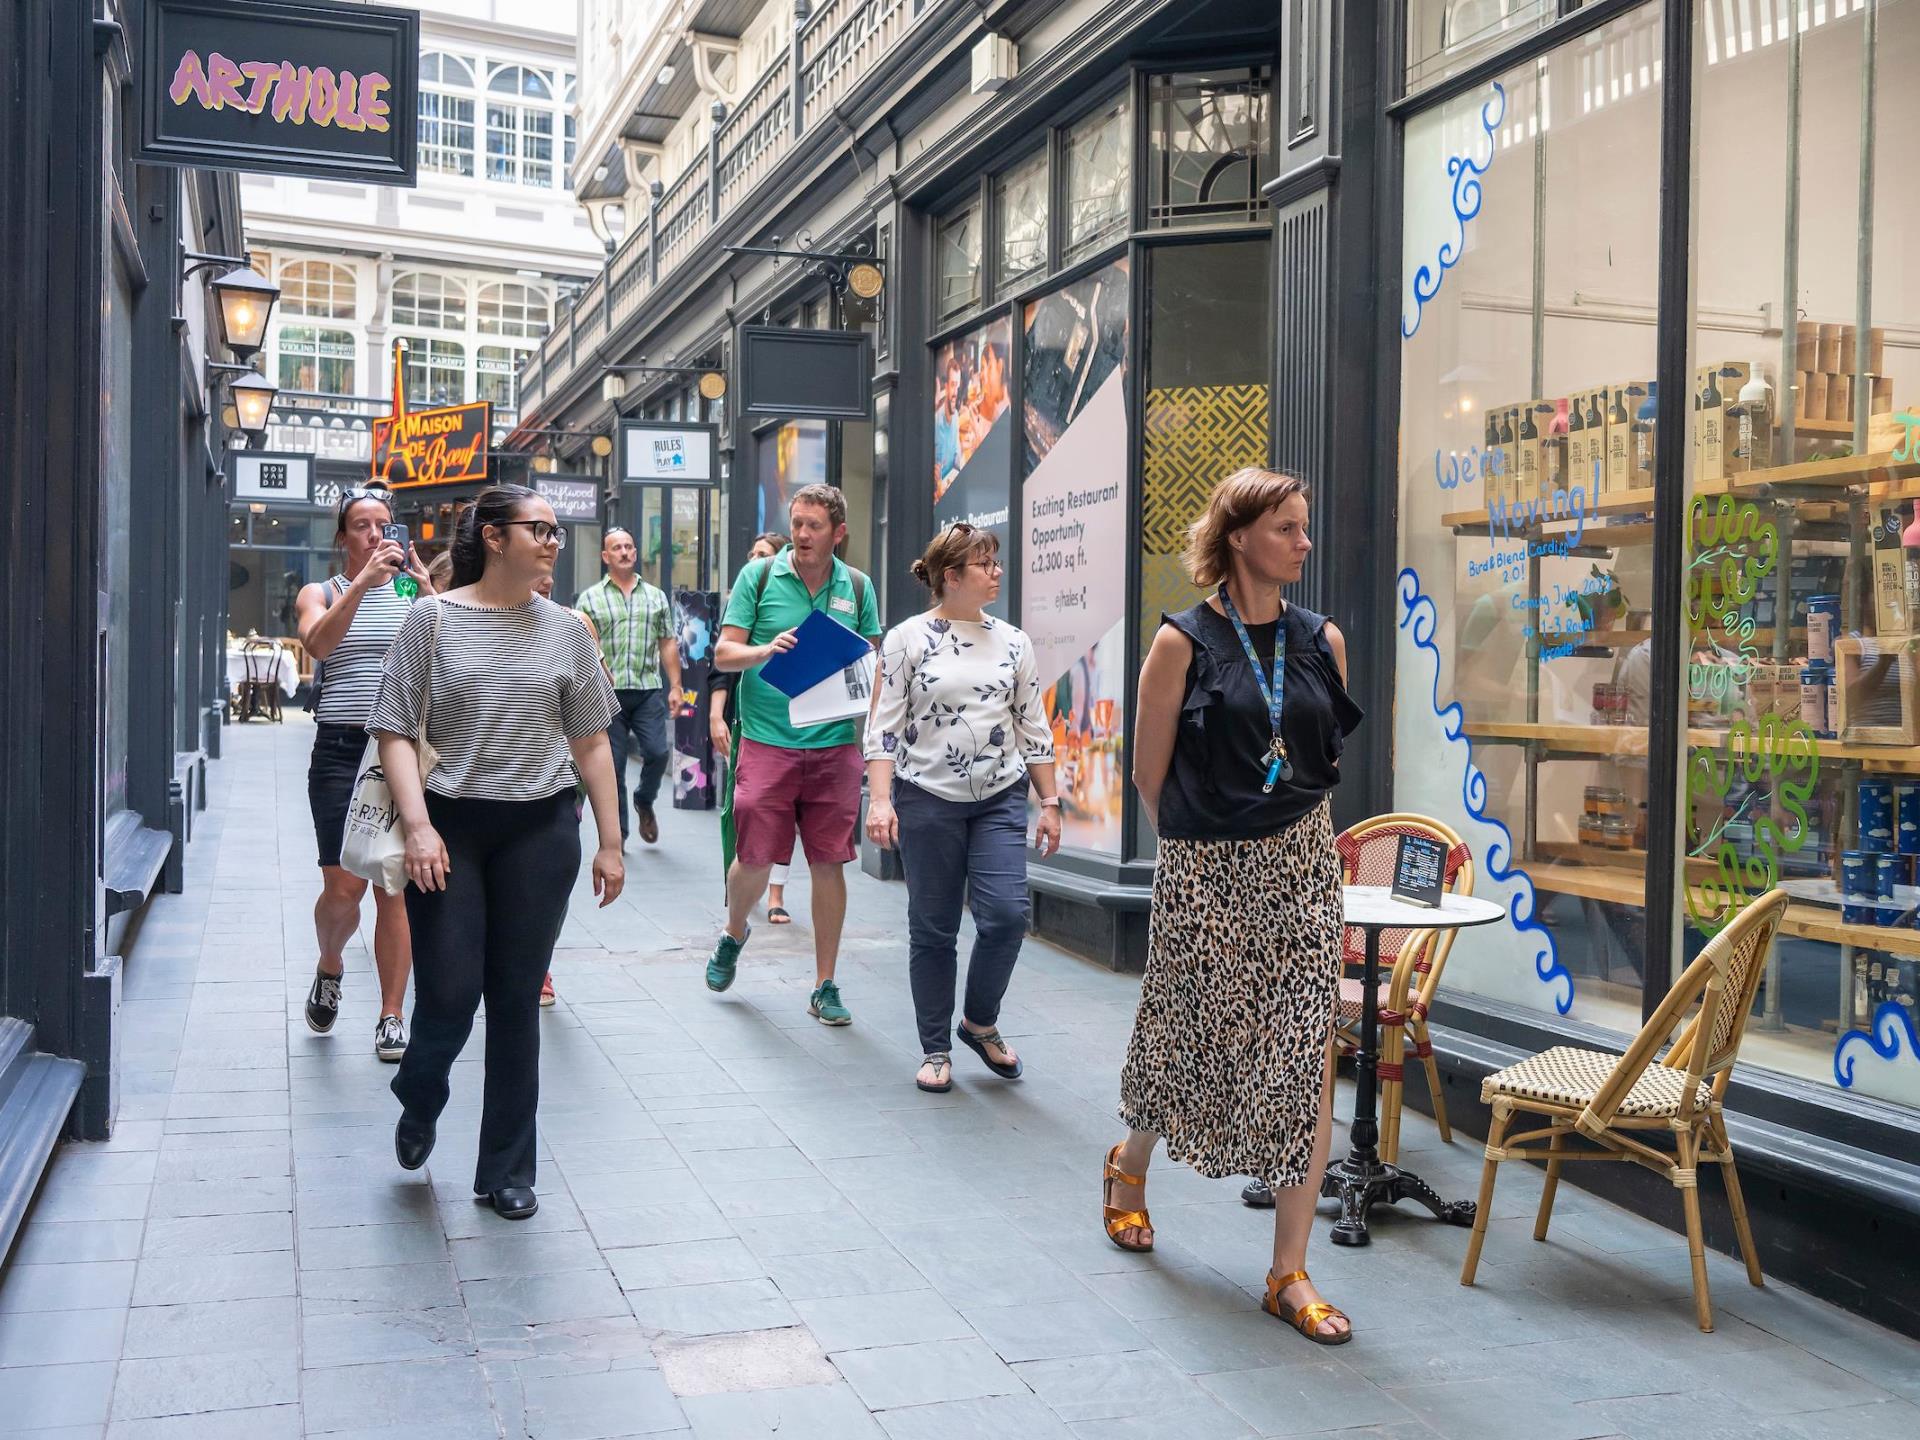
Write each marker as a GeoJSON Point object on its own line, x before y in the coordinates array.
{"type": "Point", "coordinates": [1279, 767]}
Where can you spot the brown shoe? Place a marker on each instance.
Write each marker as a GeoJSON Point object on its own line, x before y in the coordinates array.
{"type": "Point", "coordinates": [649, 825]}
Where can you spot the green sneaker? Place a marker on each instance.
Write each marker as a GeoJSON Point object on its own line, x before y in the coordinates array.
{"type": "Point", "coordinates": [824, 1005]}
{"type": "Point", "coordinates": [726, 955]}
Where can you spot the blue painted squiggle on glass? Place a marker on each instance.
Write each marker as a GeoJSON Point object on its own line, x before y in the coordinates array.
{"type": "Point", "coordinates": [1420, 618]}
{"type": "Point", "coordinates": [1892, 1036]}
{"type": "Point", "coordinates": [1464, 171]}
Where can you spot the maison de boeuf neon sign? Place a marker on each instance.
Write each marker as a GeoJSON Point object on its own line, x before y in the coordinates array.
{"type": "Point", "coordinates": [432, 447]}
{"type": "Point", "coordinates": [297, 87]}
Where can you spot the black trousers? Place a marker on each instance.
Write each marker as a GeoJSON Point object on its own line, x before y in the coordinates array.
{"type": "Point", "coordinates": [489, 935]}
{"type": "Point", "coordinates": [641, 724]}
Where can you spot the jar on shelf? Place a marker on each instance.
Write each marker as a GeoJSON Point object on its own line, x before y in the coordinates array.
{"type": "Point", "coordinates": [1617, 832]}
{"type": "Point", "coordinates": [1593, 831]}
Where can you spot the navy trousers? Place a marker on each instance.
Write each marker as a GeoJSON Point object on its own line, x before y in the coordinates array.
{"type": "Point", "coordinates": [954, 853]}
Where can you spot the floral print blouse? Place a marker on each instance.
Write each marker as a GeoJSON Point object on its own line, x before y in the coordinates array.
{"type": "Point", "coordinates": [959, 711]}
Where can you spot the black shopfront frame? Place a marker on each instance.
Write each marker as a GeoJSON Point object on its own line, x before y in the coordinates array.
{"type": "Point", "coordinates": [1833, 1185]}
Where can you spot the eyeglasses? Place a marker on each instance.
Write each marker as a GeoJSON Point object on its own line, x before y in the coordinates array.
{"type": "Point", "coordinates": [990, 566]}
{"type": "Point", "coordinates": [545, 532]}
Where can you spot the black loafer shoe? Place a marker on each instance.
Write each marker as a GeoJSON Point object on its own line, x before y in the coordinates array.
{"type": "Point", "coordinates": [516, 1202]}
{"type": "Point", "coordinates": [412, 1141]}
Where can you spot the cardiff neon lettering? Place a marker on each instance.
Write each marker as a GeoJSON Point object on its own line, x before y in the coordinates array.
{"type": "Point", "coordinates": [291, 93]}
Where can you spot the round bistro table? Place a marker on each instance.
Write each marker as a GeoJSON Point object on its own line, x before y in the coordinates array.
{"type": "Point", "coordinates": [1362, 1180]}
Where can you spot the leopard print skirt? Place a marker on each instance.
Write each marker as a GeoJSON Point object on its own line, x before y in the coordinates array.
{"type": "Point", "coordinates": [1229, 1045]}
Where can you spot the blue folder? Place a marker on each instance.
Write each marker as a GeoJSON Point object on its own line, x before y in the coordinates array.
{"type": "Point", "coordinates": [822, 646]}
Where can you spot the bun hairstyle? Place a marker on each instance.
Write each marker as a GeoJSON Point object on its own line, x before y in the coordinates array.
{"type": "Point", "coordinates": [1237, 501]}
{"type": "Point", "coordinates": [495, 505]}
{"type": "Point", "coordinates": [954, 548]}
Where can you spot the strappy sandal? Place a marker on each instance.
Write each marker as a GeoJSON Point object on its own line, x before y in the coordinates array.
{"type": "Point", "coordinates": [1118, 1222]}
{"type": "Point", "coordinates": [1309, 1317]}
{"type": "Point", "coordinates": [941, 1060]}
{"type": "Point", "coordinates": [979, 1043]}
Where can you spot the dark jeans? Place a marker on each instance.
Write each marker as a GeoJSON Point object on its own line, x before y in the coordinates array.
{"type": "Point", "coordinates": [489, 934]}
{"type": "Point", "coordinates": [643, 715]}
{"type": "Point", "coordinates": [955, 850]}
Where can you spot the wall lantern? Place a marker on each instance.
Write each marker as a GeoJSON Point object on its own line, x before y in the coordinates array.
{"type": "Point", "coordinates": [253, 396]}
{"type": "Point", "coordinates": [244, 299]}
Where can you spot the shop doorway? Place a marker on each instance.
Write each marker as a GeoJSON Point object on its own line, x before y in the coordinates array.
{"type": "Point", "coordinates": [672, 527]}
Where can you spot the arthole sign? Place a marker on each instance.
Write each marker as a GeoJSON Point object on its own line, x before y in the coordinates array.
{"type": "Point", "coordinates": [292, 87]}
{"type": "Point", "coordinates": [432, 447]}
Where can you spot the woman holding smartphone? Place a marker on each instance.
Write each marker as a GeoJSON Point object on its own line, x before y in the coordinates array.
{"type": "Point", "coordinates": [347, 622]}
{"type": "Point", "coordinates": [509, 690]}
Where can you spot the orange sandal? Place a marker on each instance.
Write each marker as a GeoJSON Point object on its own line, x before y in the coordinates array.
{"type": "Point", "coordinates": [1309, 1317]}
{"type": "Point", "coordinates": [1120, 1221]}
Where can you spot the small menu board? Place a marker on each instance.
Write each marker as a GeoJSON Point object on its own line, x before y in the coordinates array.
{"type": "Point", "coordinates": [1417, 871]}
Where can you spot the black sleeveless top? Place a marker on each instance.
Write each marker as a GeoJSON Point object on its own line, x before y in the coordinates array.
{"type": "Point", "coordinates": [1212, 789]}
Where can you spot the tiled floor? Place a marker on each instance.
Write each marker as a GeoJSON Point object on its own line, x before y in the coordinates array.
{"type": "Point", "coordinates": [753, 1226]}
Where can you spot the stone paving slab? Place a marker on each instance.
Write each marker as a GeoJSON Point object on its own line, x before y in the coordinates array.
{"type": "Point", "coordinates": [752, 1226]}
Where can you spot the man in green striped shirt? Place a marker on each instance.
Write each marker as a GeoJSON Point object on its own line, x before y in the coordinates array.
{"type": "Point", "coordinates": [634, 625]}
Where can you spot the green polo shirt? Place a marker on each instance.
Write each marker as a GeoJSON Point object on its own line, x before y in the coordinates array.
{"type": "Point", "coordinates": [783, 605]}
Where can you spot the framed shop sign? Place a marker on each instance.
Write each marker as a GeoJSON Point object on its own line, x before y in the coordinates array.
{"type": "Point", "coordinates": [273, 477]}
{"type": "Point", "coordinates": [287, 87]}
{"type": "Point", "coordinates": [574, 498]}
{"type": "Point", "coordinates": [805, 374]}
{"type": "Point", "coordinates": [668, 453]}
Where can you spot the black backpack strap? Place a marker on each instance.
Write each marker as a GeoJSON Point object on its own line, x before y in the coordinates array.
{"type": "Point", "coordinates": [320, 666]}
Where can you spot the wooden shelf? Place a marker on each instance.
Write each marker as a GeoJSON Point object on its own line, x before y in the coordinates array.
{"type": "Point", "coordinates": [1880, 467]}
{"type": "Point", "coordinates": [1631, 740]}
{"type": "Point", "coordinates": [1620, 502]}
{"type": "Point", "coordinates": [1617, 885]}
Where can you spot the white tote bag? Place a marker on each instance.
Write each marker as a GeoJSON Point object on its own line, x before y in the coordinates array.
{"type": "Point", "coordinates": [374, 846]}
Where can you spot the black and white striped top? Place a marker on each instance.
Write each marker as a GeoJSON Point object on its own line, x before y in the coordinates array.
{"type": "Point", "coordinates": [350, 676]}
{"type": "Point", "coordinates": [510, 687]}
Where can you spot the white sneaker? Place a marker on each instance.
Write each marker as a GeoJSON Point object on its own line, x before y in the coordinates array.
{"type": "Point", "coordinates": [390, 1039]}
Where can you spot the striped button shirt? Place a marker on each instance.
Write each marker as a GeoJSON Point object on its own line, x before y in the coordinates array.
{"type": "Point", "coordinates": [350, 676]}
{"type": "Point", "coordinates": [511, 686]}
{"type": "Point", "coordinates": [631, 628]}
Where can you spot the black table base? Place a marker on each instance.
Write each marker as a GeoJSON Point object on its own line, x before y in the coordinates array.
{"type": "Point", "coordinates": [1363, 1180]}
{"type": "Point", "coordinates": [1359, 1188]}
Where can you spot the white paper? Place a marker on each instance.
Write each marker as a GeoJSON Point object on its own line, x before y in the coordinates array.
{"type": "Point", "coordinates": [844, 695]}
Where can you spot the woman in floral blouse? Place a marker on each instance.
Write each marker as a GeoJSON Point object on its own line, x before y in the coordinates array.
{"type": "Point", "coordinates": [957, 732]}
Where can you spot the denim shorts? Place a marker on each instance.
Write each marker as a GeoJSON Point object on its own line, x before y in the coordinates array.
{"type": "Point", "coordinates": [330, 775]}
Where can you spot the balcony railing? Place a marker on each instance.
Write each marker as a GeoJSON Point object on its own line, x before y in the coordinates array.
{"type": "Point", "coordinates": [834, 49]}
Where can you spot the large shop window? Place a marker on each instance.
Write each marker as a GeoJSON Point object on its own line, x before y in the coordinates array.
{"type": "Point", "coordinates": [1803, 614]}
{"type": "Point", "coordinates": [1020, 220]}
{"type": "Point", "coordinates": [435, 372]}
{"type": "Point", "coordinates": [1074, 503]}
{"type": "Point", "coordinates": [958, 262]}
{"type": "Point", "coordinates": [1529, 425]}
{"type": "Point", "coordinates": [316, 359]}
{"type": "Point", "coordinates": [1208, 352]}
{"type": "Point", "coordinates": [1445, 36]}
{"type": "Point", "coordinates": [1207, 147]}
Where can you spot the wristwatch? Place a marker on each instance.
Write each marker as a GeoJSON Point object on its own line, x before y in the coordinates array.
{"type": "Point", "coordinates": [1052, 802]}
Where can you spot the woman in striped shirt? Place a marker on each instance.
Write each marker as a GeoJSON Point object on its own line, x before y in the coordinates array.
{"type": "Point", "coordinates": [347, 622]}
{"type": "Point", "coordinates": [517, 706]}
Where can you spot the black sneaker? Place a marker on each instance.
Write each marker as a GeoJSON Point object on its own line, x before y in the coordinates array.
{"type": "Point", "coordinates": [323, 1002]}
{"type": "Point", "coordinates": [390, 1039]}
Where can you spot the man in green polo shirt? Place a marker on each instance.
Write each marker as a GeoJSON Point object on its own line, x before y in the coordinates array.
{"type": "Point", "coordinates": [793, 779]}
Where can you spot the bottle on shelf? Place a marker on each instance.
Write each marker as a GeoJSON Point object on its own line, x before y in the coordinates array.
{"type": "Point", "coordinates": [1529, 446]}
{"type": "Point", "coordinates": [1553, 446]}
{"type": "Point", "coordinates": [1509, 456]}
{"type": "Point", "coordinates": [1643, 435]}
{"type": "Point", "coordinates": [1754, 442]}
{"type": "Point", "coordinates": [1576, 443]}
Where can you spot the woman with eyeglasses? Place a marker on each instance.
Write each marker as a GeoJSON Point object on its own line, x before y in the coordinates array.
{"type": "Point", "coordinates": [347, 623]}
{"type": "Point", "coordinates": [517, 706]}
{"type": "Point", "coordinates": [958, 732]}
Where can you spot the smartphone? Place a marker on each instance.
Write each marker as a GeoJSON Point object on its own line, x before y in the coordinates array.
{"type": "Point", "coordinates": [404, 585]}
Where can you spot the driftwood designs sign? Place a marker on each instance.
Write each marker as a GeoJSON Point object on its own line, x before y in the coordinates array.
{"type": "Point", "coordinates": [294, 87]}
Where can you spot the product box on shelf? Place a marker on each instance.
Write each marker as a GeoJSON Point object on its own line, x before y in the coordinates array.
{"type": "Point", "coordinates": [1877, 689]}
{"type": "Point", "coordinates": [1813, 396]}
{"type": "Point", "coordinates": [1623, 404]}
{"type": "Point", "coordinates": [1850, 357]}
{"type": "Point", "coordinates": [1829, 353]}
{"type": "Point", "coordinates": [1709, 420]}
{"type": "Point", "coordinates": [1839, 397]}
{"type": "Point", "coordinates": [1890, 613]}
{"type": "Point", "coordinates": [1806, 346]}
{"type": "Point", "coordinates": [1587, 464]}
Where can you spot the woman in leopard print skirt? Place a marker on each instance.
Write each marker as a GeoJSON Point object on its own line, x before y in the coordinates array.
{"type": "Point", "coordinates": [1235, 750]}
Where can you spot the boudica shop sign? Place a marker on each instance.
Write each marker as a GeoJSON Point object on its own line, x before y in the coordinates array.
{"type": "Point", "coordinates": [296, 87]}
{"type": "Point", "coordinates": [432, 447]}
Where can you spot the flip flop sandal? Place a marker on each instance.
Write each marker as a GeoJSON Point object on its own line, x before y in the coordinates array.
{"type": "Point", "coordinates": [778, 916]}
{"type": "Point", "coordinates": [979, 1043]}
{"type": "Point", "coordinates": [942, 1061]}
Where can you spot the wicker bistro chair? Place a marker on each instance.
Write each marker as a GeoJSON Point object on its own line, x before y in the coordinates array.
{"type": "Point", "coordinates": [260, 691]}
{"type": "Point", "coordinates": [1615, 1101]}
{"type": "Point", "coordinates": [1410, 963]}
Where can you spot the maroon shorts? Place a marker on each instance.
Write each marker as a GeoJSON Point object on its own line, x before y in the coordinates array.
{"type": "Point", "coordinates": [779, 792]}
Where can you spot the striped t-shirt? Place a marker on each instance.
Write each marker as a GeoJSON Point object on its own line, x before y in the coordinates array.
{"type": "Point", "coordinates": [350, 676]}
{"type": "Point", "coordinates": [511, 686]}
